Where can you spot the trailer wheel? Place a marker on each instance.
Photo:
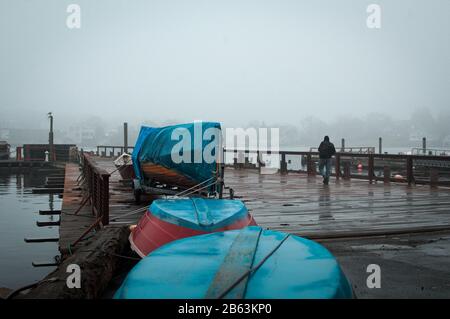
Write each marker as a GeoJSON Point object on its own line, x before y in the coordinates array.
{"type": "Point", "coordinates": [137, 196]}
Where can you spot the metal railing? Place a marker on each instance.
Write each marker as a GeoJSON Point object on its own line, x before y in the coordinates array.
{"type": "Point", "coordinates": [412, 169]}
{"type": "Point", "coordinates": [352, 149]}
{"type": "Point", "coordinates": [110, 150]}
{"type": "Point", "coordinates": [96, 181]}
{"type": "Point", "coordinates": [430, 151]}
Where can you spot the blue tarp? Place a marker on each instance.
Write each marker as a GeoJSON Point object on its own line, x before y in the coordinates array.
{"type": "Point", "coordinates": [155, 145]}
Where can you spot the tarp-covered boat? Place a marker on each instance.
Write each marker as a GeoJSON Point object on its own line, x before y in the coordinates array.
{"type": "Point", "coordinates": [155, 150]}
{"type": "Point", "coordinates": [170, 219]}
{"type": "Point", "coordinates": [278, 265]}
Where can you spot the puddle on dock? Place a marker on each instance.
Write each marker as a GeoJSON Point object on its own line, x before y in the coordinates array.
{"type": "Point", "coordinates": [18, 215]}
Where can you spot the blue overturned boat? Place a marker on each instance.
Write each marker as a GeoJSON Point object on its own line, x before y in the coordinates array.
{"type": "Point", "coordinates": [250, 263]}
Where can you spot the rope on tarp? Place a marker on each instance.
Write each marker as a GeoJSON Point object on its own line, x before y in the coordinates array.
{"type": "Point", "coordinates": [254, 269]}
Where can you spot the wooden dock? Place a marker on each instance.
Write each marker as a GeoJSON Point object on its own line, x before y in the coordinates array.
{"type": "Point", "coordinates": [73, 224]}
{"type": "Point", "coordinates": [293, 203]}
{"type": "Point", "coordinates": [302, 205]}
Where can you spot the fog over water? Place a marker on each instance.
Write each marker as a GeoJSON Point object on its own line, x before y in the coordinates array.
{"type": "Point", "coordinates": [310, 66]}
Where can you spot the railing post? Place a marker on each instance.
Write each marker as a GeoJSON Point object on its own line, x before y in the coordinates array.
{"type": "Point", "coordinates": [337, 165]}
{"type": "Point", "coordinates": [105, 199]}
{"type": "Point", "coordinates": [259, 160]}
{"type": "Point", "coordinates": [283, 164]}
{"type": "Point", "coordinates": [371, 168]}
{"type": "Point", "coordinates": [308, 164]}
{"type": "Point", "coordinates": [409, 169]}
{"type": "Point", "coordinates": [125, 137]}
{"type": "Point", "coordinates": [346, 170]}
{"type": "Point", "coordinates": [434, 178]}
{"type": "Point", "coordinates": [387, 174]}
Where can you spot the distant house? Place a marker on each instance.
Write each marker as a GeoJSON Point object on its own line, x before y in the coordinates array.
{"type": "Point", "coordinates": [4, 150]}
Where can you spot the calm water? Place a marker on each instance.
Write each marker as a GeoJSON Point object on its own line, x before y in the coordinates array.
{"type": "Point", "coordinates": [18, 215]}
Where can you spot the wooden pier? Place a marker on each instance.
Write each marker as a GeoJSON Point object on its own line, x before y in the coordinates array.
{"type": "Point", "coordinates": [294, 202]}
{"type": "Point", "coordinates": [302, 205]}
{"type": "Point", "coordinates": [77, 221]}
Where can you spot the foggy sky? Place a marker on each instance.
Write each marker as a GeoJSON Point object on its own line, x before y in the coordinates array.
{"type": "Point", "coordinates": [227, 61]}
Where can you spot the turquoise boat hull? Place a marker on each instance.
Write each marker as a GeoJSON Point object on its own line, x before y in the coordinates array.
{"type": "Point", "coordinates": [207, 266]}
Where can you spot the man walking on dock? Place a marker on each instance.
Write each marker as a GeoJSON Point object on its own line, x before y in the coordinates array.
{"type": "Point", "coordinates": [326, 151]}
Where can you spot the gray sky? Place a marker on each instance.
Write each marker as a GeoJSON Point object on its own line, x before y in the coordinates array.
{"type": "Point", "coordinates": [228, 61]}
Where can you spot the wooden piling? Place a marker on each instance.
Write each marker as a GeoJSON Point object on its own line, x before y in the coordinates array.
{"type": "Point", "coordinates": [371, 170]}
{"type": "Point", "coordinates": [386, 174]}
{"type": "Point", "coordinates": [409, 170]}
{"type": "Point", "coordinates": [283, 164]}
{"type": "Point", "coordinates": [434, 178]}
{"type": "Point", "coordinates": [337, 165]}
{"type": "Point", "coordinates": [347, 170]}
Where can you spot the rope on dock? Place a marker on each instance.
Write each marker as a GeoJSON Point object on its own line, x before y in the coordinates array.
{"type": "Point", "coordinates": [136, 211]}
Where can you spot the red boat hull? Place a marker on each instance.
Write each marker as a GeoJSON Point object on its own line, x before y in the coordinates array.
{"type": "Point", "coordinates": [152, 232]}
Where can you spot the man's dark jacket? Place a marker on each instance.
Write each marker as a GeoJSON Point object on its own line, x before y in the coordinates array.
{"type": "Point", "coordinates": [326, 150]}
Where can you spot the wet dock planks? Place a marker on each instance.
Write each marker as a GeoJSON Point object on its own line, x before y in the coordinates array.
{"type": "Point", "coordinates": [302, 205]}
{"type": "Point", "coordinates": [293, 203]}
{"type": "Point", "coordinates": [72, 225]}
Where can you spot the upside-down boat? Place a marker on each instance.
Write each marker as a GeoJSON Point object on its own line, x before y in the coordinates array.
{"type": "Point", "coordinates": [124, 165]}
{"type": "Point", "coordinates": [167, 220]}
{"type": "Point", "coordinates": [250, 263]}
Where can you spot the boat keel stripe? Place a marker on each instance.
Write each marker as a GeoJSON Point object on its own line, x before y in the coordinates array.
{"type": "Point", "coordinates": [238, 261]}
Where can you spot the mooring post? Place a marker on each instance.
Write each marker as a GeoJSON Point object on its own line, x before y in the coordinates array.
{"type": "Point", "coordinates": [105, 199]}
{"type": "Point", "coordinates": [434, 178]}
{"type": "Point", "coordinates": [424, 145]}
{"type": "Point", "coordinates": [51, 150]}
{"type": "Point", "coordinates": [387, 174]}
{"type": "Point", "coordinates": [308, 164]}
{"type": "Point", "coordinates": [246, 160]}
{"type": "Point", "coordinates": [380, 145]}
{"type": "Point", "coordinates": [409, 170]}
{"type": "Point", "coordinates": [258, 160]}
{"type": "Point", "coordinates": [283, 164]}
{"type": "Point", "coordinates": [337, 165]}
{"type": "Point", "coordinates": [371, 170]}
{"type": "Point", "coordinates": [347, 170]}
{"type": "Point", "coordinates": [125, 137]}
